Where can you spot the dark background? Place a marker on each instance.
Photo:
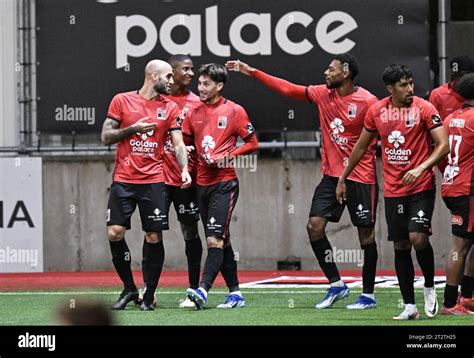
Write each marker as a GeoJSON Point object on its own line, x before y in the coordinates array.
{"type": "Point", "coordinates": [77, 61]}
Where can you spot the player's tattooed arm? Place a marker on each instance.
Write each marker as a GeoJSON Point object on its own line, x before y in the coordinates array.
{"type": "Point", "coordinates": [111, 133]}
{"type": "Point", "coordinates": [181, 154]}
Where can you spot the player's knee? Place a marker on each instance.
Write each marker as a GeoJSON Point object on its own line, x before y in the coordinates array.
{"type": "Point", "coordinates": [153, 237]}
{"type": "Point", "coordinates": [316, 229]}
{"type": "Point", "coordinates": [226, 243]}
{"type": "Point", "coordinates": [419, 240]}
{"type": "Point", "coordinates": [189, 231]}
{"type": "Point", "coordinates": [115, 233]}
{"type": "Point", "coordinates": [366, 235]}
{"type": "Point", "coordinates": [402, 245]}
{"type": "Point", "coordinates": [461, 246]}
{"type": "Point", "coordinates": [214, 243]}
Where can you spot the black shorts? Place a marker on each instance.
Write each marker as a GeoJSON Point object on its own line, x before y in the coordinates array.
{"type": "Point", "coordinates": [361, 202]}
{"type": "Point", "coordinates": [151, 200]}
{"type": "Point", "coordinates": [462, 219]}
{"type": "Point", "coordinates": [411, 213]}
{"type": "Point", "coordinates": [216, 204]}
{"type": "Point", "coordinates": [185, 203]}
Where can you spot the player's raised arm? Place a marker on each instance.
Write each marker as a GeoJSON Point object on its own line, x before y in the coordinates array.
{"type": "Point", "coordinates": [276, 84]}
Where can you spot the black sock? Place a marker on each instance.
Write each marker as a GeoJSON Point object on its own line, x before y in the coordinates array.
{"type": "Point", "coordinates": [405, 274]}
{"type": "Point", "coordinates": [194, 255]}
{"type": "Point", "coordinates": [323, 251]}
{"type": "Point", "coordinates": [155, 256]}
{"type": "Point", "coordinates": [144, 256]}
{"type": "Point", "coordinates": [122, 259]}
{"type": "Point", "coordinates": [425, 259]}
{"type": "Point", "coordinates": [467, 285]}
{"type": "Point", "coordinates": [229, 270]}
{"type": "Point", "coordinates": [214, 260]}
{"type": "Point", "coordinates": [370, 266]}
{"type": "Point", "coordinates": [450, 296]}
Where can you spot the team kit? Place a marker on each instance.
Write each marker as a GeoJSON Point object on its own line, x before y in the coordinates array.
{"type": "Point", "coordinates": [174, 146]}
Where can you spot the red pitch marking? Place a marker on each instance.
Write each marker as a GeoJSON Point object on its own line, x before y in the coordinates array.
{"type": "Point", "coordinates": [97, 279]}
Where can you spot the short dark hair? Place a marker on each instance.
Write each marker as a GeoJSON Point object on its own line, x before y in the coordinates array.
{"type": "Point", "coordinates": [465, 86]}
{"type": "Point", "coordinates": [460, 65]}
{"type": "Point", "coordinates": [217, 72]}
{"type": "Point", "coordinates": [394, 73]}
{"type": "Point", "coordinates": [175, 60]}
{"type": "Point", "coordinates": [351, 61]}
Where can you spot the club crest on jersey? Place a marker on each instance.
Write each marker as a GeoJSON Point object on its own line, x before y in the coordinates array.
{"type": "Point", "coordinates": [410, 120]}
{"type": "Point", "coordinates": [436, 119]}
{"type": "Point", "coordinates": [161, 114]}
{"type": "Point", "coordinates": [250, 128]}
{"type": "Point", "coordinates": [221, 122]}
{"type": "Point", "coordinates": [352, 111]}
{"type": "Point", "coordinates": [184, 112]}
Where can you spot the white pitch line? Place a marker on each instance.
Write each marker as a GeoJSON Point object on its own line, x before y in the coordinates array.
{"type": "Point", "coordinates": [63, 293]}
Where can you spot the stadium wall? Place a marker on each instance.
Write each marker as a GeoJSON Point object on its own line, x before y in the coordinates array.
{"type": "Point", "coordinates": [9, 70]}
{"type": "Point", "coordinates": [269, 223]}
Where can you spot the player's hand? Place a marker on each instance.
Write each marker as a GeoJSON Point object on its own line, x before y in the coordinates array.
{"type": "Point", "coordinates": [341, 191]}
{"type": "Point", "coordinates": [239, 66]}
{"type": "Point", "coordinates": [142, 126]}
{"type": "Point", "coordinates": [411, 175]}
{"type": "Point", "coordinates": [190, 148]}
{"type": "Point", "coordinates": [186, 179]}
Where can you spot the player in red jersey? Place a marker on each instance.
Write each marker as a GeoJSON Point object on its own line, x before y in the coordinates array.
{"type": "Point", "coordinates": [446, 99]}
{"type": "Point", "coordinates": [342, 107]}
{"type": "Point", "coordinates": [213, 128]}
{"type": "Point", "coordinates": [138, 121]}
{"type": "Point", "coordinates": [185, 201]}
{"type": "Point", "coordinates": [457, 190]}
{"type": "Point", "coordinates": [406, 125]}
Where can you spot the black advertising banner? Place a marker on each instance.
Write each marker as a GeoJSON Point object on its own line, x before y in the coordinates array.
{"type": "Point", "coordinates": [90, 50]}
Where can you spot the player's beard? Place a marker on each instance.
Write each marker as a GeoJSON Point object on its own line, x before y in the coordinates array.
{"type": "Point", "coordinates": [335, 84]}
{"type": "Point", "coordinates": [408, 100]}
{"type": "Point", "coordinates": [161, 88]}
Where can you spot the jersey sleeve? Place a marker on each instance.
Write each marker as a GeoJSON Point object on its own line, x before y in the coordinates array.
{"type": "Point", "coordinates": [468, 133]}
{"type": "Point", "coordinates": [186, 126]}
{"type": "Point", "coordinates": [369, 120]}
{"type": "Point", "coordinates": [314, 93]}
{"type": "Point", "coordinates": [174, 117]}
{"type": "Point", "coordinates": [433, 99]}
{"type": "Point", "coordinates": [430, 116]}
{"type": "Point", "coordinates": [244, 127]}
{"type": "Point", "coordinates": [115, 109]}
{"type": "Point", "coordinates": [281, 86]}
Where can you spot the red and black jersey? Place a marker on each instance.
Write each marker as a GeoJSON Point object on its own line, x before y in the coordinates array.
{"type": "Point", "coordinates": [406, 142]}
{"type": "Point", "coordinates": [215, 129]}
{"type": "Point", "coordinates": [171, 169]}
{"type": "Point", "coordinates": [139, 158]}
{"type": "Point", "coordinates": [458, 176]}
{"type": "Point", "coordinates": [342, 119]}
{"type": "Point", "coordinates": [446, 100]}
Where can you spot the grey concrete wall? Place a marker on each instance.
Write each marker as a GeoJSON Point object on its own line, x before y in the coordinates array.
{"type": "Point", "coordinates": [269, 222]}
{"type": "Point", "coordinates": [9, 71]}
